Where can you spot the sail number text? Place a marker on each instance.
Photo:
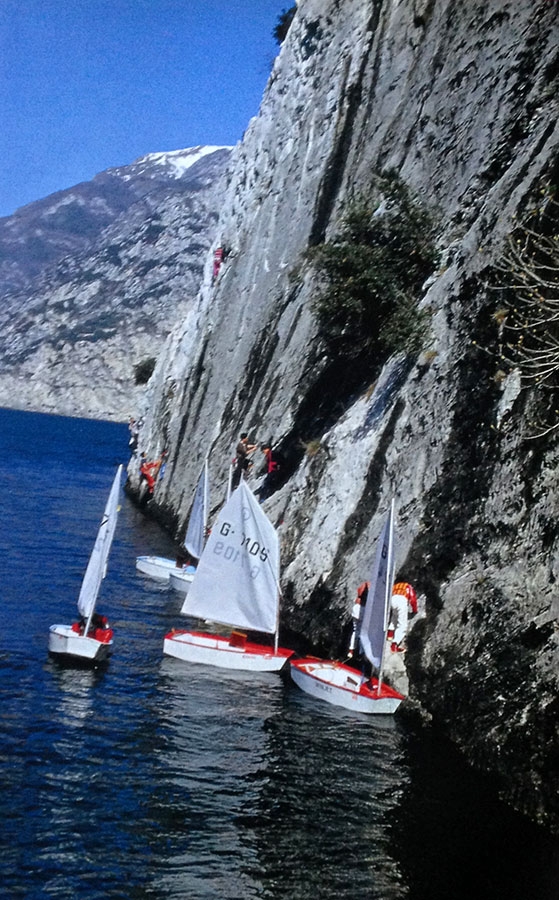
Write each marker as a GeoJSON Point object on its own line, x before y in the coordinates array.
{"type": "Point", "coordinates": [251, 547]}
{"type": "Point", "coordinates": [254, 548]}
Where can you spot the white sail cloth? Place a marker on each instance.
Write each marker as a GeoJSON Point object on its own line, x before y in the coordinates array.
{"type": "Point", "coordinates": [236, 582]}
{"type": "Point", "coordinates": [196, 531]}
{"type": "Point", "coordinates": [375, 618]}
{"type": "Point", "coordinates": [97, 565]}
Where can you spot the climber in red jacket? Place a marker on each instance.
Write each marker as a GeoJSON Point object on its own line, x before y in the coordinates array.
{"type": "Point", "coordinates": [149, 471]}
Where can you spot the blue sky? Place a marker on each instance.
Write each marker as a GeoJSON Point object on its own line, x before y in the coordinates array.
{"type": "Point", "coordinates": [90, 84]}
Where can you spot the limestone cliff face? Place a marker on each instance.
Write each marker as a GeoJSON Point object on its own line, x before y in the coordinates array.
{"type": "Point", "coordinates": [93, 278]}
{"type": "Point", "coordinates": [461, 99]}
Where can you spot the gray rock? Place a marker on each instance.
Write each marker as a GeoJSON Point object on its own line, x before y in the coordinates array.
{"type": "Point", "coordinates": [119, 263]}
{"type": "Point", "coordinates": [462, 101]}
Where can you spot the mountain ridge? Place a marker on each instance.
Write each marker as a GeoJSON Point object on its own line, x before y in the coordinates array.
{"type": "Point", "coordinates": [118, 261]}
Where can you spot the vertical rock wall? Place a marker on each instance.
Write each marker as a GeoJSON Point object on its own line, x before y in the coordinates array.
{"type": "Point", "coordinates": [461, 99]}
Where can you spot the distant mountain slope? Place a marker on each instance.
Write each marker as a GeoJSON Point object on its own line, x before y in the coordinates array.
{"type": "Point", "coordinates": [69, 221]}
{"type": "Point", "coordinates": [93, 278]}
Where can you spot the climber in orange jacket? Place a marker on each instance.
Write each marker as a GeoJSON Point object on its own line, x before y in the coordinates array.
{"type": "Point", "coordinates": [402, 602]}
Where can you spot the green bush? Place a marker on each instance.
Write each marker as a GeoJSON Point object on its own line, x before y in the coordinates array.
{"type": "Point", "coordinates": [371, 274]}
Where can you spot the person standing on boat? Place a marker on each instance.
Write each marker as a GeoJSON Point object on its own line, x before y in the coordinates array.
{"type": "Point", "coordinates": [244, 451]}
{"type": "Point", "coordinates": [402, 602]}
{"type": "Point", "coordinates": [357, 616]}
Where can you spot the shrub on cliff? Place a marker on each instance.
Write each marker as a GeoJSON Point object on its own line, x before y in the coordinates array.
{"type": "Point", "coordinates": [284, 21]}
{"type": "Point", "coordinates": [371, 274]}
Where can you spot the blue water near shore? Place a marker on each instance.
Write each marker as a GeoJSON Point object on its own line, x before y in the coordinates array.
{"type": "Point", "coordinates": [157, 779]}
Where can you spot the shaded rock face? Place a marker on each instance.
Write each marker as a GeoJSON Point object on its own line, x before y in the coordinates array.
{"type": "Point", "coordinates": [462, 101]}
{"type": "Point", "coordinates": [95, 277]}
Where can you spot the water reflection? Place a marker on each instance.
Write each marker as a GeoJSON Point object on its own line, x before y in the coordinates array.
{"type": "Point", "coordinates": [77, 687]}
{"type": "Point", "coordinates": [319, 823]}
{"type": "Point", "coordinates": [455, 839]}
{"type": "Point", "coordinates": [274, 798]}
{"type": "Point", "coordinates": [215, 744]}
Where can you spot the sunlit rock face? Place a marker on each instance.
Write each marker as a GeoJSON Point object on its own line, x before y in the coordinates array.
{"type": "Point", "coordinates": [92, 280]}
{"type": "Point", "coordinates": [462, 103]}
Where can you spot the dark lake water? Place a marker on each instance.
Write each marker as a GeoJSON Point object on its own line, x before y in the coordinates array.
{"type": "Point", "coordinates": [159, 779]}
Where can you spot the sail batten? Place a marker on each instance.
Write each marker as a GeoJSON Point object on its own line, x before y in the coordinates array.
{"type": "Point", "coordinates": [97, 565]}
{"type": "Point", "coordinates": [237, 578]}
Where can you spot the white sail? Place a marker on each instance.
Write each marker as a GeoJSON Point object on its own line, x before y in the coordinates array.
{"type": "Point", "coordinates": [236, 582]}
{"type": "Point", "coordinates": [196, 531]}
{"type": "Point", "coordinates": [375, 618]}
{"type": "Point", "coordinates": [97, 565]}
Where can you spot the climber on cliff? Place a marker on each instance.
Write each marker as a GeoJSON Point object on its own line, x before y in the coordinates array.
{"type": "Point", "coordinates": [134, 429]}
{"type": "Point", "coordinates": [402, 603]}
{"type": "Point", "coordinates": [272, 468]}
{"type": "Point", "coordinates": [218, 259]}
{"type": "Point", "coordinates": [149, 472]}
{"type": "Point", "coordinates": [244, 452]}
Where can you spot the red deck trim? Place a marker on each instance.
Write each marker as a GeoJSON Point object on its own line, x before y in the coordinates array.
{"type": "Point", "coordinates": [365, 690]}
{"type": "Point", "coordinates": [249, 647]}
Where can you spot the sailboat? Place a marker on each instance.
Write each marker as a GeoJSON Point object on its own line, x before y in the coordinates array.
{"type": "Point", "coordinates": [180, 579]}
{"type": "Point", "coordinates": [90, 640]}
{"type": "Point", "coordinates": [236, 584]}
{"type": "Point", "coordinates": [159, 567]}
{"type": "Point", "coordinates": [337, 682]}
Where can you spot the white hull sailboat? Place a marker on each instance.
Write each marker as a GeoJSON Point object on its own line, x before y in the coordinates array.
{"type": "Point", "coordinates": [236, 584]}
{"type": "Point", "coordinates": [160, 568]}
{"type": "Point", "coordinates": [233, 652]}
{"type": "Point", "coordinates": [91, 639]}
{"type": "Point", "coordinates": [67, 641]}
{"type": "Point", "coordinates": [181, 579]}
{"type": "Point", "coordinates": [343, 686]}
{"type": "Point", "coordinates": [157, 567]}
{"type": "Point", "coordinates": [340, 684]}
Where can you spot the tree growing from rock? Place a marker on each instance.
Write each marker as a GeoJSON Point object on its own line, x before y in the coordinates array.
{"type": "Point", "coordinates": [528, 316]}
{"type": "Point", "coordinates": [283, 24]}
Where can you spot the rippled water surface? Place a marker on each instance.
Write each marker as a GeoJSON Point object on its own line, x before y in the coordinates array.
{"type": "Point", "coordinates": [158, 779]}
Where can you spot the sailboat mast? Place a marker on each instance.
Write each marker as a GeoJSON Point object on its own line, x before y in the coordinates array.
{"type": "Point", "coordinates": [387, 592]}
{"type": "Point", "coordinates": [280, 598]}
{"type": "Point", "coordinates": [97, 565]}
{"type": "Point", "coordinates": [106, 537]}
{"type": "Point", "coordinates": [205, 513]}
{"type": "Point", "coordinates": [229, 481]}
{"type": "Point", "coordinates": [88, 623]}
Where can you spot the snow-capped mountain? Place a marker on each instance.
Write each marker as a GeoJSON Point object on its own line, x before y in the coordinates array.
{"type": "Point", "coordinates": [93, 278]}
{"type": "Point", "coordinates": [174, 163]}
{"type": "Point", "coordinates": [69, 221]}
